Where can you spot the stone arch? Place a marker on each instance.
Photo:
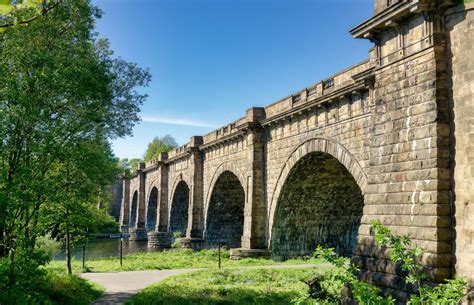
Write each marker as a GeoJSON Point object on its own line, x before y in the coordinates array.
{"type": "Point", "coordinates": [177, 180]}
{"type": "Point", "coordinates": [134, 210]}
{"type": "Point", "coordinates": [334, 162]}
{"type": "Point", "coordinates": [179, 211]}
{"type": "Point", "coordinates": [225, 211]}
{"type": "Point", "coordinates": [226, 166]}
{"type": "Point", "coordinates": [152, 209]}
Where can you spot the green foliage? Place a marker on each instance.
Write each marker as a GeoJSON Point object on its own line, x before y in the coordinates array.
{"type": "Point", "coordinates": [322, 288]}
{"type": "Point", "coordinates": [21, 279]}
{"type": "Point", "coordinates": [22, 12]}
{"type": "Point", "coordinates": [345, 275]}
{"type": "Point", "coordinates": [47, 287]}
{"type": "Point", "coordinates": [450, 292]}
{"type": "Point", "coordinates": [159, 145]}
{"type": "Point", "coordinates": [48, 245]}
{"type": "Point", "coordinates": [410, 258]}
{"type": "Point", "coordinates": [104, 223]}
{"type": "Point", "coordinates": [128, 166]}
{"type": "Point", "coordinates": [227, 286]}
{"type": "Point", "coordinates": [177, 239]}
{"type": "Point", "coordinates": [63, 97]}
{"type": "Point", "coordinates": [70, 289]}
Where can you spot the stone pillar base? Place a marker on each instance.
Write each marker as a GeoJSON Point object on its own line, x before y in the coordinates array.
{"type": "Point", "coordinates": [159, 240]}
{"type": "Point", "coordinates": [137, 234]}
{"type": "Point", "coordinates": [124, 229]}
{"type": "Point", "coordinates": [193, 243]}
{"type": "Point", "coordinates": [239, 253]}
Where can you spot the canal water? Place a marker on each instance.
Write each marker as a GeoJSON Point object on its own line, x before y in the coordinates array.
{"type": "Point", "coordinates": [105, 248]}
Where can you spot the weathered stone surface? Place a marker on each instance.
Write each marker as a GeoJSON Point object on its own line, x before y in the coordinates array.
{"type": "Point", "coordinates": [159, 240]}
{"type": "Point", "coordinates": [225, 216]}
{"type": "Point", "coordinates": [320, 204]}
{"type": "Point", "coordinates": [460, 41]}
{"type": "Point", "coordinates": [180, 209]}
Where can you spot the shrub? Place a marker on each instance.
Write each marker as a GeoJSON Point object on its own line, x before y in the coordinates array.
{"type": "Point", "coordinates": [176, 239]}
{"type": "Point", "coordinates": [328, 287]}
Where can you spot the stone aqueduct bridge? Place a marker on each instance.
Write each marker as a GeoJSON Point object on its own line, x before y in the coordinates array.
{"type": "Point", "coordinates": [391, 138]}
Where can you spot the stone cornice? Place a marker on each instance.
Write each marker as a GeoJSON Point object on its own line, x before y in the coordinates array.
{"type": "Point", "coordinates": [319, 101]}
{"type": "Point", "coordinates": [390, 16]}
{"type": "Point", "coordinates": [369, 28]}
{"type": "Point", "coordinates": [225, 138]}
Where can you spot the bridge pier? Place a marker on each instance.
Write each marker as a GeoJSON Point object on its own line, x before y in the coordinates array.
{"type": "Point", "coordinates": [193, 243]}
{"type": "Point", "coordinates": [253, 238]}
{"type": "Point", "coordinates": [159, 240]}
{"type": "Point", "coordinates": [123, 229]}
{"type": "Point", "coordinates": [125, 207]}
{"type": "Point", "coordinates": [240, 253]}
{"type": "Point", "coordinates": [138, 234]}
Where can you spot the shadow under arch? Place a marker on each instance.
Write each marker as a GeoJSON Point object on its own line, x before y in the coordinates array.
{"type": "Point", "coordinates": [152, 209]}
{"type": "Point", "coordinates": [223, 167]}
{"type": "Point", "coordinates": [225, 211]}
{"type": "Point", "coordinates": [179, 208]}
{"type": "Point", "coordinates": [318, 199]}
{"type": "Point", "coordinates": [134, 210]}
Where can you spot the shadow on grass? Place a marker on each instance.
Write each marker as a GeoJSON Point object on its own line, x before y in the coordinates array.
{"type": "Point", "coordinates": [112, 298]}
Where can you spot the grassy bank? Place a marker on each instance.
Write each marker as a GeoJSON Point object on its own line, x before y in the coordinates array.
{"type": "Point", "coordinates": [169, 259]}
{"type": "Point", "coordinates": [52, 288]}
{"type": "Point", "coordinates": [71, 289]}
{"type": "Point", "coordinates": [228, 286]}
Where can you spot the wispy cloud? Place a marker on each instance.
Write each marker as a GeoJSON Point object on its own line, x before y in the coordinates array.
{"type": "Point", "coordinates": [174, 121]}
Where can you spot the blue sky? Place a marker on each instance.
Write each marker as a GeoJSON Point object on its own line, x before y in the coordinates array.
{"type": "Point", "coordinates": [212, 59]}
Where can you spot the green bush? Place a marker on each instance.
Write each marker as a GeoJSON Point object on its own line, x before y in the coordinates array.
{"type": "Point", "coordinates": [37, 285]}
{"type": "Point", "coordinates": [328, 287]}
{"type": "Point", "coordinates": [177, 239]}
{"type": "Point", "coordinates": [71, 289]}
{"type": "Point", "coordinates": [48, 245]}
{"type": "Point", "coordinates": [105, 223]}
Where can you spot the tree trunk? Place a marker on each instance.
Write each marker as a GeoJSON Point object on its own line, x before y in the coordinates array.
{"type": "Point", "coordinates": [68, 252]}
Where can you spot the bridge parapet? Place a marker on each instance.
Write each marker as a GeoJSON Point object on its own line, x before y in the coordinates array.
{"type": "Point", "coordinates": [178, 152]}
{"type": "Point", "coordinates": [327, 90]}
{"type": "Point", "coordinates": [223, 132]}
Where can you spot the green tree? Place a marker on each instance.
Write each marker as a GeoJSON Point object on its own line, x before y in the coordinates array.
{"type": "Point", "coordinates": [127, 166]}
{"type": "Point", "coordinates": [84, 174]}
{"type": "Point", "coordinates": [159, 145]}
{"type": "Point", "coordinates": [63, 97]}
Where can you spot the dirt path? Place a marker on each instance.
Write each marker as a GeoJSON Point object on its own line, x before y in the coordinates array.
{"type": "Point", "coordinates": [119, 286]}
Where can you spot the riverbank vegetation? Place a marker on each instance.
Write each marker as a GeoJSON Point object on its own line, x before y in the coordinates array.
{"type": "Point", "coordinates": [64, 97]}
{"type": "Point", "coordinates": [228, 286]}
{"type": "Point", "coordinates": [173, 259]}
{"type": "Point", "coordinates": [47, 286]}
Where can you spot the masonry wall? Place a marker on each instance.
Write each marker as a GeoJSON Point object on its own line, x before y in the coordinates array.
{"type": "Point", "coordinates": [285, 136]}
{"type": "Point", "coordinates": [409, 175]}
{"type": "Point", "coordinates": [216, 161]}
{"type": "Point", "coordinates": [320, 204]}
{"type": "Point", "coordinates": [460, 38]}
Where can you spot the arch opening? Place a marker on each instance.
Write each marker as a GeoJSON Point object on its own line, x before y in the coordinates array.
{"type": "Point", "coordinates": [152, 210]}
{"type": "Point", "coordinates": [179, 209]}
{"type": "Point", "coordinates": [320, 203]}
{"type": "Point", "coordinates": [225, 215]}
{"type": "Point", "coordinates": [134, 210]}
